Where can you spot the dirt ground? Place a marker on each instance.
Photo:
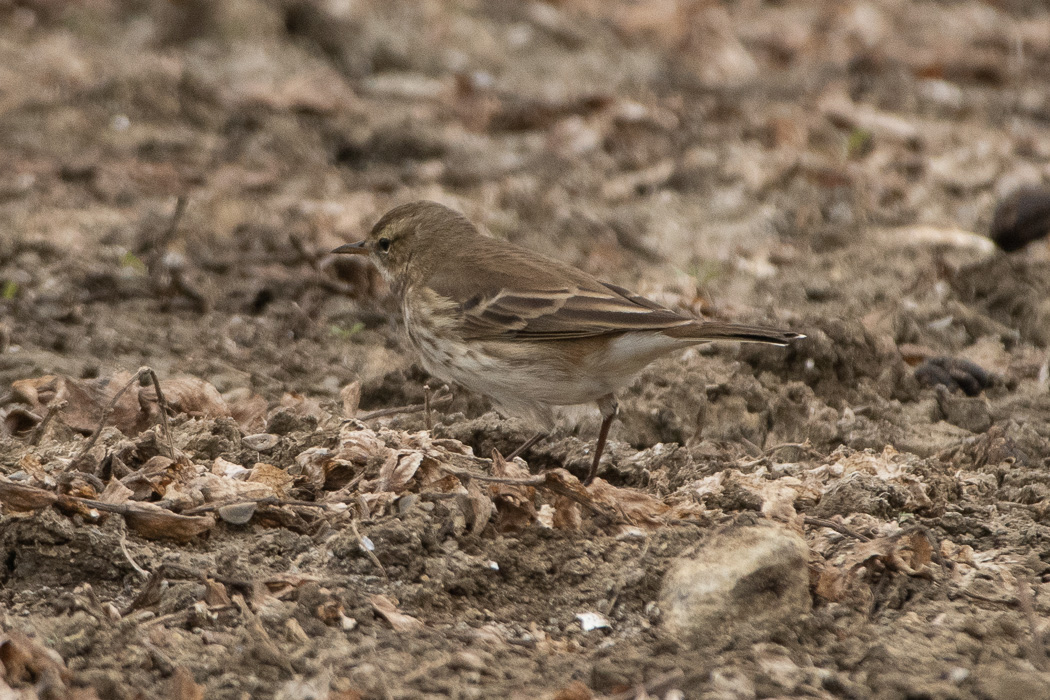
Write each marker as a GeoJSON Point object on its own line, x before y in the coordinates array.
{"type": "Point", "coordinates": [174, 175]}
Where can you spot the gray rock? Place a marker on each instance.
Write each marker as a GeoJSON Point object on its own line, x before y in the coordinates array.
{"type": "Point", "coordinates": [742, 584]}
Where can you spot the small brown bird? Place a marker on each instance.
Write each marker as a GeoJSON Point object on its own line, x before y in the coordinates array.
{"type": "Point", "coordinates": [525, 330]}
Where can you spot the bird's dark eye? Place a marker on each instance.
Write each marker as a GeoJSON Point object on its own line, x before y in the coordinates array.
{"type": "Point", "coordinates": [383, 244]}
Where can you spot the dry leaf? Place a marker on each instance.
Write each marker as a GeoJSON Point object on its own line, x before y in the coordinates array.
{"type": "Point", "coordinates": [249, 411]}
{"type": "Point", "coordinates": [115, 493]}
{"type": "Point", "coordinates": [155, 523]}
{"type": "Point", "coordinates": [351, 397]}
{"type": "Point", "coordinates": [634, 506]}
{"type": "Point", "coordinates": [134, 412]}
{"type": "Point", "coordinates": [566, 514]}
{"type": "Point", "coordinates": [189, 395]}
{"type": "Point", "coordinates": [515, 505]}
{"type": "Point", "coordinates": [17, 497]}
{"type": "Point", "coordinates": [910, 552]}
{"type": "Point", "coordinates": [32, 466]}
{"type": "Point", "coordinates": [398, 470]}
{"type": "Point", "coordinates": [397, 619]}
{"type": "Point", "coordinates": [359, 445]}
{"type": "Point", "coordinates": [273, 478]}
{"type": "Point", "coordinates": [181, 686]}
{"type": "Point", "coordinates": [215, 594]}
{"type": "Point", "coordinates": [224, 467]}
{"type": "Point", "coordinates": [218, 489]}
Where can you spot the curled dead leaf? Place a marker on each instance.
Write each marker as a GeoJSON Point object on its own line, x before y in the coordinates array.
{"type": "Point", "coordinates": [397, 619]}
{"type": "Point", "coordinates": [515, 505]}
{"type": "Point", "coordinates": [398, 470]}
{"type": "Point", "coordinates": [351, 398]}
{"type": "Point", "coordinates": [155, 523]}
{"type": "Point", "coordinates": [189, 395]}
{"type": "Point", "coordinates": [18, 497]}
{"type": "Point", "coordinates": [115, 493]}
{"type": "Point", "coordinates": [271, 478]}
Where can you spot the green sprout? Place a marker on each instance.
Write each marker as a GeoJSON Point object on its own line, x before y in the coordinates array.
{"type": "Point", "coordinates": [339, 332]}
{"type": "Point", "coordinates": [859, 143]}
{"type": "Point", "coordinates": [133, 261]}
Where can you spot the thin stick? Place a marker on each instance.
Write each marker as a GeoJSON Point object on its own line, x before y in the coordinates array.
{"type": "Point", "coordinates": [127, 555]}
{"type": "Point", "coordinates": [364, 548]}
{"type": "Point", "coordinates": [52, 408]}
{"type": "Point", "coordinates": [428, 416]}
{"type": "Point", "coordinates": [837, 527]}
{"type": "Point", "coordinates": [105, 414]}
{"type": "Point", "coordinates": [526, 445]}
{"type": "Point", "coordinates": [163, 409]}
{"type": "Point", "coordinates": [261, 501]}
{"type": "Point", "coordinates": [414, 408]}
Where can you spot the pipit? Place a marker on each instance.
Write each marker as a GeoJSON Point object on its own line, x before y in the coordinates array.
{"type": "Point", "coordinates": [525, 330]}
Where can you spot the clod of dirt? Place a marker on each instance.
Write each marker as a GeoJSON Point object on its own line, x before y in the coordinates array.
{"type": "Point", "coordinates": [956, 374]}
{"type": "Point", "coordinates": [968, 412]}
{"type": "Point", "coordinates": [836, 358]}
{"type": "Point", "coordinates": [743, 583]}
{"type": "Point", "coordinates": [862, 493]}
{"type": "Point", "coordinates": [1021, 217]}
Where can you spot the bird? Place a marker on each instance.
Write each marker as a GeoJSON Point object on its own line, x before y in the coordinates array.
{"type": "Point", "coordinates": [526, 330]}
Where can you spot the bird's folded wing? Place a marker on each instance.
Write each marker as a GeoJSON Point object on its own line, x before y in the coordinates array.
{"type": "Point", "coordinates": [573, 311]}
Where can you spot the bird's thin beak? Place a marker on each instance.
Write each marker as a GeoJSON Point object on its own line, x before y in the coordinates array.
{"type": "Point", "coordinates": [359, 248]}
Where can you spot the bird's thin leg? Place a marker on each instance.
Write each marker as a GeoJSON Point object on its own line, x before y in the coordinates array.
{"type": "Point", "coordinates": [527, 444]}
{"type": "Point", "coordinates": [609, 408]}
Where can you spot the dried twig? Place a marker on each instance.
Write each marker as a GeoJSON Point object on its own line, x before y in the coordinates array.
{"type": "Point", "coordinates": [261, 501]}
{"type": "Point", "coordinates": [38, 432]}
{"type": "Point", "coordinates": [105, 414]}
{"type": "Point", "coordinates": [837, 527]}
{"type": "Point", "coordinates": [368, 552]}
{"type": "Point", "coordinates": [127, 555]}
{"type": "Point", "coordinates": [140, 375]}
{"type": "Point", "coordinates": [163, 409]}
{"type": "Point", "coordinates": [414, 408]}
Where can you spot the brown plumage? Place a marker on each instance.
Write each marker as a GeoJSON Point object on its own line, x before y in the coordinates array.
{"type": "Point", "coordinates": [525, 330]}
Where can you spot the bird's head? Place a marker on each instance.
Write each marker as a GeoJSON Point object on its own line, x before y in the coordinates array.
{"type": "Point", "coordinates": [412, 239]}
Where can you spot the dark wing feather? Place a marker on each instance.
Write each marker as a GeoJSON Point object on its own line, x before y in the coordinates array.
{"type": "Point", "coordinates": [563, 314]}
{"type": "Point", "coordinates": [556, 306]}
{"type": "Point", "coordinates": [530, 297]}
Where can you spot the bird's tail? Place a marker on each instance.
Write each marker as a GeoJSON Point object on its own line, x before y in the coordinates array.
{"type": "Point", "coordinates": [715, 330]}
